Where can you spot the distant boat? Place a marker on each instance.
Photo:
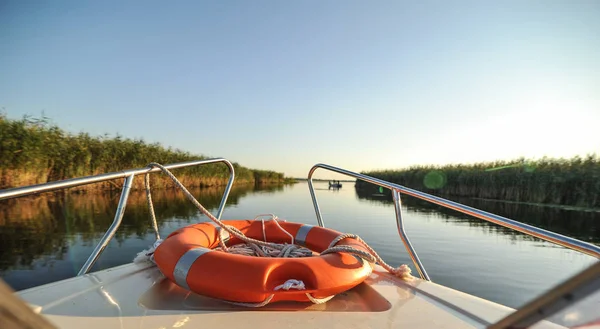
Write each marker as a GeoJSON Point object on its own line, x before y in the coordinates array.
{"type": "Point", "coordinates": [335, 184]}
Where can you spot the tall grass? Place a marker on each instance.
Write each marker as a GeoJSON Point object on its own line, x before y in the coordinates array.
{"type": "Point", "coordinates": [34, 151]}
{"type": "Point", "coordinates": [573, 181]}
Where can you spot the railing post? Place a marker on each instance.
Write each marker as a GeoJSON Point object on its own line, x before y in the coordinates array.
{"type": "Point", "coordinates": [112, 229]}
{"type": "Point", "coordinates": [404, 236]}
{"type": "Point", "coordinates": [227, 189]}
{"type": "Point", "coordinates": [398, 207]}
{"type": "Point", "coordinates": [314, 199]}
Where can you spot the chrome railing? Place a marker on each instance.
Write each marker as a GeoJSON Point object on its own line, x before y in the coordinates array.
{"type": "Point", "coordinates": [565, 294]}
{"type": "Point", "coordinates": [571, 243]}
{"type": "Point", "coordinates": [128, 175]}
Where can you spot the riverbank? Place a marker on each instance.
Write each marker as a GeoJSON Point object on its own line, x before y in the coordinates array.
{"type": "Point", "coordinates": [33, 151]}
{"type": "Point", "coordinates": [570, 182]}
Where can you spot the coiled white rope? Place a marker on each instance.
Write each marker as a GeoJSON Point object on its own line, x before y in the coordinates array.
{"type": "Point", "coordinates": [251, 249]}
{"type": "Point", "coordinates": [254, 247]}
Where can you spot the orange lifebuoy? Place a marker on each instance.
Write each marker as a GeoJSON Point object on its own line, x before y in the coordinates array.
{"type": "Point", "coordinates": [187, 258]}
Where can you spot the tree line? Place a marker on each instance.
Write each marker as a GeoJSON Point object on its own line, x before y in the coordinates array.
{"type": "Point", "coordinates": [34, 151]}
{"type": "Point", "coordinates": [574, 182]}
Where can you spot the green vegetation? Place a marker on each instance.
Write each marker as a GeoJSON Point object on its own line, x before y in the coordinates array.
{"type": "Point", "coordinates": [33, 151]}
{"type": "Point", "coordinates": [574, 182]}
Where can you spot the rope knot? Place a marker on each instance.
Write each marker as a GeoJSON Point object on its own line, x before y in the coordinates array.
{"type": "Point", "coordinates": [403, 272]}
{"type": "Point", "coordinates": [291, 284]}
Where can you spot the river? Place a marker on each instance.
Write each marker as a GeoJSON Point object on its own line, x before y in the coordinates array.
{"type": "Point", "coordinates": [49, 237]}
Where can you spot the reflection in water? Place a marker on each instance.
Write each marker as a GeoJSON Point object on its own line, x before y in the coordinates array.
{"type": "Point", "coordinates": [49, 224]}
{"type": "Point", "coordinates": [582, 225]}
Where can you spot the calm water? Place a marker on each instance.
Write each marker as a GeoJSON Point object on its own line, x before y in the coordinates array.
{"type": "Point", "coordinates": [48, 238]}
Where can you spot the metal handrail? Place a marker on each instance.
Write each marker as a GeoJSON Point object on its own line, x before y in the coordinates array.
{"type": "Point", "coordinates": [565, 294]}
{"type": "Point", "coordinates": [565, 241]}
{"type": "Point", "coordinates": [397, 206]}
{"type": "Point", "coordinates": [128, 175]}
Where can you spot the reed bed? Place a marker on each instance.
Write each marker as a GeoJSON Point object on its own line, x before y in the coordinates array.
{"type": "Point", "coordinates": [574, 182]}
{"type": "Point", "coordinates": [34, 151]}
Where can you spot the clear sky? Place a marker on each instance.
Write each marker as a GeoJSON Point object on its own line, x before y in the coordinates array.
{"type": "Point", "coordinates": [283, 85]}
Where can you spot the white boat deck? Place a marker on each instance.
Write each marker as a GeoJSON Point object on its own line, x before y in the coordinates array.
{"type": "Point", "coordinates": [138, 296]}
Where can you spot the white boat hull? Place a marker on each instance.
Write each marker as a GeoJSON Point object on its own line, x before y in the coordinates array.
{"type": "Point", "coordinates": [138, 296]}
